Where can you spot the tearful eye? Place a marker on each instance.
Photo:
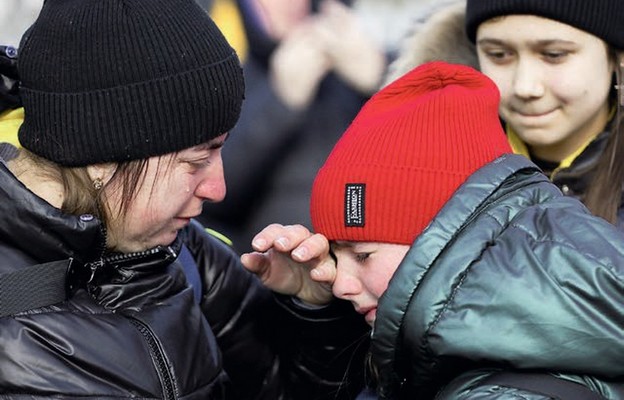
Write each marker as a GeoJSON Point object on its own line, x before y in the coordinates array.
{"type": "Point", "coordinates": [200, 163]}
{"type": "Point", "coordinates": [361, 257]}
{"type": "Point", "coordinates": [197, 163]}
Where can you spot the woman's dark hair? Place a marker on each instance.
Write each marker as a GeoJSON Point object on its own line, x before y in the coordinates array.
{"type": "Point", "coordinates": [604, 195]}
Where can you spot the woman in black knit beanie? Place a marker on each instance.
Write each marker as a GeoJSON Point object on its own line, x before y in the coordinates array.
{"type": "Point", "coordinates": [108, 287]}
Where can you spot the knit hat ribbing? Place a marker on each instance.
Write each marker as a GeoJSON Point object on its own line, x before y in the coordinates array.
{"type": "Point", "coordinates": [120, 80]}
{"type": "Point", "coordinates": [410, 147]}
{"type": "Point", "coordinates": [601, 18]}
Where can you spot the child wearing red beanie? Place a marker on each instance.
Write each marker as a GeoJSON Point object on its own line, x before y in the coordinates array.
{"type": "Point", "coordinates": [410, 147]}
{"type": "Point", "coordinates": [473, 269]}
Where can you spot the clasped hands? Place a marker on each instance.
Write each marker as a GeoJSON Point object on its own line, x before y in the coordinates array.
{"type": "Point", "coordinates": [334, 39]}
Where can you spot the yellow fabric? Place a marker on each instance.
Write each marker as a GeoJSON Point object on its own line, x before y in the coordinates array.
{"type": "Point", "coordinates": [220, 236]}
{"type": "Point", "coordinates": [227, 17]}
{"type": "Point", "coordinates": [519, 147]}
{"type": "Point", "coordinates": [10, 122]}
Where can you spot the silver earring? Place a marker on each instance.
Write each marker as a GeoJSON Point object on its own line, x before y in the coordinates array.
{"type": "Point", "coordinates": [98, 184]}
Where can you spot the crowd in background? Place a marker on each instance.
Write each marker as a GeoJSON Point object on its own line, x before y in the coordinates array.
{"type": "Point", "coordinates": [428, 195]}
{"type": "Point", "coordinates": [15, 17]}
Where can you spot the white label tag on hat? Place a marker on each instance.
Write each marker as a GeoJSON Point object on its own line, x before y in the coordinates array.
{"type": "Point", "coordinates": [354, 204]}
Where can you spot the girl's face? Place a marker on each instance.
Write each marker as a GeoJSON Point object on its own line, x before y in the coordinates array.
{"type": "Point", "coordinates": [554, 81]}
{"type": "Point", "coordinates": [363, 270]}
{"type": "Point", "coordinates": [174, 188]}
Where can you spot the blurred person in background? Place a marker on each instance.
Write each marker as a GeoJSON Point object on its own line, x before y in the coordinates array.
{"type": "Point", "coordinates": [309, 68]}
{"type": "Point", "coordinates": [15, 17]}
{"type": "Point", "coordinates": [11, 111]}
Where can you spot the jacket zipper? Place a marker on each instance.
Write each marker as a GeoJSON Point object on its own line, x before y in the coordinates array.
{"type": "Point", "coordinates": [94, 267]}
{"type": "Point", "coordinates": [169, 254]}
{"type": "Point", "coordinates": [163, 368]}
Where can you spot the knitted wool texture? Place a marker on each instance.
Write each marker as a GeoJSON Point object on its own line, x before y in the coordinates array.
{"type": "Point", "coordinates": [120, 80]}
{"type": "Point", "coordinates": [410, 147]}
{"type": "Point", "coordinates": [601, 18]}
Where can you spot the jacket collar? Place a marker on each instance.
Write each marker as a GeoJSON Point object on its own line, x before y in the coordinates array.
{"type": "Point", "coordinates": [580, 161]}
{"type": "Point", "coordinates": [42, 231]}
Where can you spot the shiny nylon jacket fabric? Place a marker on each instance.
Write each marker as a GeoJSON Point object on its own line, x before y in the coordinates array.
{"type": "Point", "coordinates": [136, 331]}
{"type": "Point", "coordinates": [509, 275]}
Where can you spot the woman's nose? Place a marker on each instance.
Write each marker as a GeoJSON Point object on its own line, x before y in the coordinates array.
{"type": "Point", "coordinates": [212, 187]}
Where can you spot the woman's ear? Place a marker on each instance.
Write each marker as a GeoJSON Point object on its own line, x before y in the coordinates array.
{"type": "Point", "coordinates": [100, 174]}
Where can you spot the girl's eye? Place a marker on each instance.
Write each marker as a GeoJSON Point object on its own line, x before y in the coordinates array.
{"type": "Point", "coordinates": [499, 56]}
{"type": "Point", "coordinates": [555, 56]}
{"type": "Point", "coordinates": [361, 257]}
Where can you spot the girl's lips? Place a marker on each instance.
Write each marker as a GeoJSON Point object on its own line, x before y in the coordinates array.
{"type": "Point", "coordinates": [534, 119]}
{"type": "Point", "coordinates": [533, 114]}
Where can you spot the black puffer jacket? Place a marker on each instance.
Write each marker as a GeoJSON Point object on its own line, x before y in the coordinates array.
{"type": "Point", "coordinates": [574, 178]}
{"type": "Point", "coordinates": [135, 330]}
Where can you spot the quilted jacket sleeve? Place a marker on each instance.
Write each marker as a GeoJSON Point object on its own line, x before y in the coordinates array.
{"type": "Point", "coordinates": [477, 385]}
{"type": "Point", "coordinates": [273, 348]}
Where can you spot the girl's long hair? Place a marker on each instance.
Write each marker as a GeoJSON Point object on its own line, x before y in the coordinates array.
{"type": "Point", "coordinates": [604, 194]}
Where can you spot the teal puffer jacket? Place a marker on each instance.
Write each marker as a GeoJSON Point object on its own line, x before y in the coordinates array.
{"type": "Point", "coordinates": [510, 275]}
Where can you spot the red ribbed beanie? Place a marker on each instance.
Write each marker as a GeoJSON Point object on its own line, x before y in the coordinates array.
{"type": "Point", "coordinates": [409, 148]}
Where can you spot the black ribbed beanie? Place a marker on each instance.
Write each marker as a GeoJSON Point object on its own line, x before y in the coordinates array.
{"type": "Point", "coordinates": [601, 18]}
{"type": "Point", "coordinates": [120, 80]}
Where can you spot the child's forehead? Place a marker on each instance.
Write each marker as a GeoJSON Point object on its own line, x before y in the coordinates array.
{"type": "Point", "coordinates": [350, 245]}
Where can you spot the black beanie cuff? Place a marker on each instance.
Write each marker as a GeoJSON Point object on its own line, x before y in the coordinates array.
{"type": "Point", "coordinates": [83, 128]}
{"type": "Point", "coordinates": [601, 18]}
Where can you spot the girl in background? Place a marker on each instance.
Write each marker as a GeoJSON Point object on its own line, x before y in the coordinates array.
{"type": "Point", "coordinates": [558, 65]}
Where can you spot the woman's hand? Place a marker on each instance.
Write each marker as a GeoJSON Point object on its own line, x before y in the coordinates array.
{"type": "Point", "coordinates": [292, 260]}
